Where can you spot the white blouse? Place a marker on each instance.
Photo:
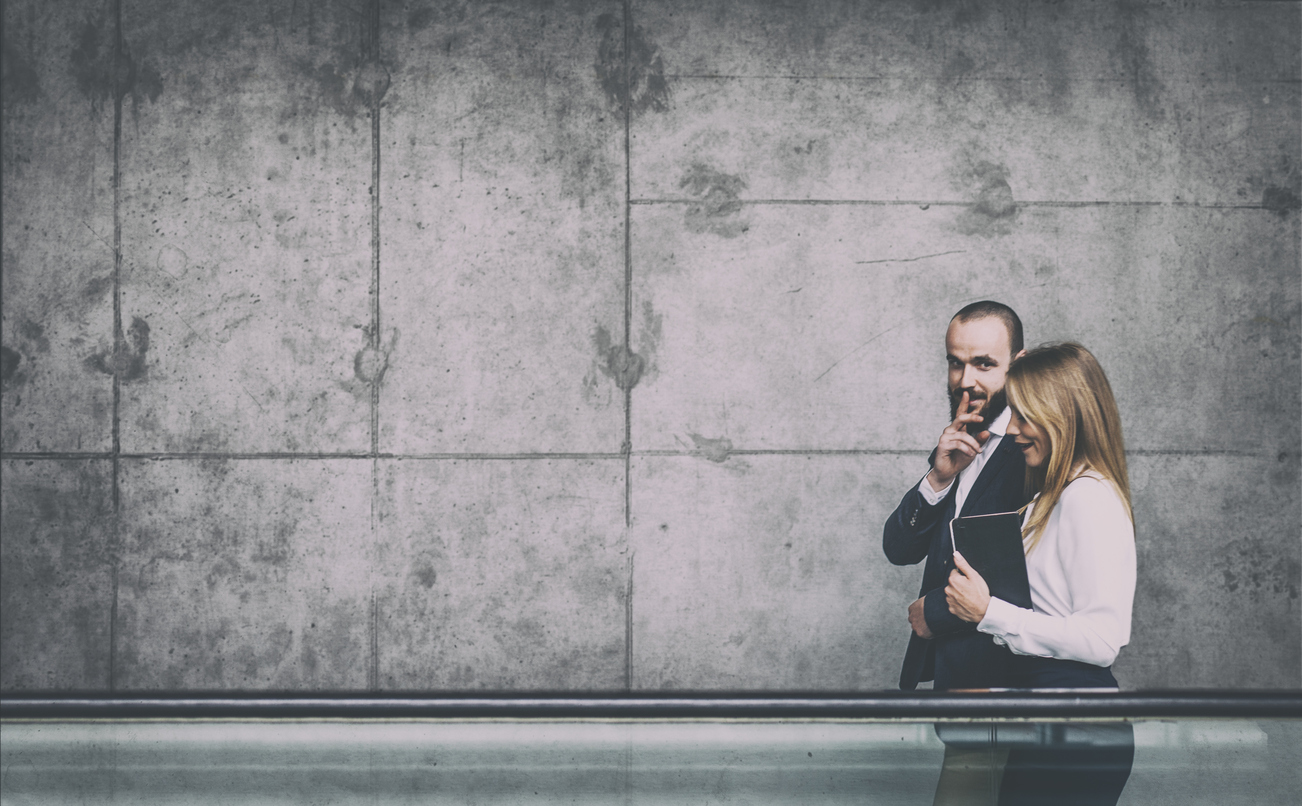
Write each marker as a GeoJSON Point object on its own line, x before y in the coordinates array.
{"type": "Point", "coordinates": [1082, 577]}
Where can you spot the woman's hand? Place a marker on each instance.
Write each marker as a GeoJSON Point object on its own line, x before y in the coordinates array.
{"type": "Point", "coordinates": [967, 594]}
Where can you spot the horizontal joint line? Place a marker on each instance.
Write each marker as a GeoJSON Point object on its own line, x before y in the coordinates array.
{"type": "Point", "coordinates": [921, 203]}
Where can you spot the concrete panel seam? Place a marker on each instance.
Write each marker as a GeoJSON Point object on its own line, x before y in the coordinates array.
{"type": "Point", "coordinates": [402, 457]}
{"type": "Point", "coordinates": [952, 80]}
{"type": "Point", "coordinates": [378, 77]}
{"type": "Point", "coordinates": [627, 447]}
{"type": "Point", "coordinates": [119, 343]}
{"type": "Point", "coordinates": [628, 626]}
{"type": "Point", "coordinates": [924, 204]}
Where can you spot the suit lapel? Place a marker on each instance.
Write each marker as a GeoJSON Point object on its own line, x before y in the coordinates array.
{"type": "Point", "coordinates": [1002, 451]}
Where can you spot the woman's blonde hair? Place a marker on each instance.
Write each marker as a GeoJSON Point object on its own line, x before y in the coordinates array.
{"type": "Point", "coordinates": [1062, 389]}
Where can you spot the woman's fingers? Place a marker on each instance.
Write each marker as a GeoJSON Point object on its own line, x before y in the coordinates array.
{"type": "Point", "coordinates": [963, 564]}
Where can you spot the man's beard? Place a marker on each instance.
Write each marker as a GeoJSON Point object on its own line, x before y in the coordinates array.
{"type": "Point", "coordinates": [994, 406]}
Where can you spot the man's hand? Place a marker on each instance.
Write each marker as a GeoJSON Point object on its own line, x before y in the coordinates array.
{"type": "Point", "coordinates": [918, 621]}
{"type": "Point", "coordinates": [957, 448]}
{"type": "Point", "coordinates": [967, 594]}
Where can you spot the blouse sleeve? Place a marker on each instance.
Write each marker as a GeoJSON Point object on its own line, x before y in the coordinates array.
{"type": "Point", "coordinates": [1096, 549]}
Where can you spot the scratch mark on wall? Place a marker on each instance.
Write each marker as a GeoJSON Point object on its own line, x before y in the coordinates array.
{"type": "Point", "coordinates": [852, 352]}
{"type": "Point", "coordinates": [910, 259]}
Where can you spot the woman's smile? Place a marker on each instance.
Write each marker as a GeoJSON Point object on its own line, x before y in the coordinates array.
{"type": "Point", "coordinates": [1030, 438]}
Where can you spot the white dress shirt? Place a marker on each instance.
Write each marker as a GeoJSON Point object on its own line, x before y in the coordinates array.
{"type": "Point", "coordinates": [968, 475]}
{"type": "Point", "coordinates": [1082, 576]}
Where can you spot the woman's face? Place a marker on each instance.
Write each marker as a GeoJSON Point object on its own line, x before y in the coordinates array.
{"type": "Point", "coordinates": [1031, 438]}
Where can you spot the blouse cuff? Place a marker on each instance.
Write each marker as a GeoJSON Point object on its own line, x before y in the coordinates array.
{"type": "Point", "coordinates": [1002, 619]}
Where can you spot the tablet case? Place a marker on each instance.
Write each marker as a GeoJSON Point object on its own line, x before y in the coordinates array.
{"type": "Point", "coordinates": [993, 546]}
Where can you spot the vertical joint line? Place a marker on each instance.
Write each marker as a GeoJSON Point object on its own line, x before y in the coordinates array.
{"type": "Point", "coordinates": [373, 668]}
{"type": "Point", "coordinates": [628, 627]}
{"type": "Point", "coordinates": [118, 342]}
{"type": "Point", "coordinates": [373, 48]}
{"type": "Point", "coordinates": [628, 266]}
{"type": "Point", "coordinates": [373, 54]}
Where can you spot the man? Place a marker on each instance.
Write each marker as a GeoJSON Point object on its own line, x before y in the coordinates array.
{"type": "Point", "coordinates": [974, 471]}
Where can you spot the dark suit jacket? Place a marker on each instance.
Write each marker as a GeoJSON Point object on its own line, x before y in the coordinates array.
{"type": "Point", "coordinates": [958, 656]}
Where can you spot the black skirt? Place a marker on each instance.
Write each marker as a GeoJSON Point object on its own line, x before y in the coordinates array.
{"type": "Point", "coordinates": [1076, 763]}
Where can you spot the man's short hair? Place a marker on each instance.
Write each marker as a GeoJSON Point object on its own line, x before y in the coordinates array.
{"type": "Point", "coordinates": [1000, 311]}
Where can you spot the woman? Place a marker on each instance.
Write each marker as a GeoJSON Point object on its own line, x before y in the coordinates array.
{"type": "Point", "coordinates": [1079, 537]}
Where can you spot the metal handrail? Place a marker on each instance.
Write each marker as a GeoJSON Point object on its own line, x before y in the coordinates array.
{"type": "Point", "coordinates": [885, 705]}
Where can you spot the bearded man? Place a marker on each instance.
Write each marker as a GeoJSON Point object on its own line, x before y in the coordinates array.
{"type": "Point", "coordinates": [974, 471]}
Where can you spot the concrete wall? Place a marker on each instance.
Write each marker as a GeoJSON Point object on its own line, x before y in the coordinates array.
{"type": "Point", "coordinates": [587, 345]}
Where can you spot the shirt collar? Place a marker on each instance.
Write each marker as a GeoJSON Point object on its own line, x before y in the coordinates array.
{"type": "Point", "coordinates": [1000, 426]}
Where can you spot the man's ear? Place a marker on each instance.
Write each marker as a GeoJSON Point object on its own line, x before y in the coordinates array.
{"type": "Point", "coordinates": [1019, 355]}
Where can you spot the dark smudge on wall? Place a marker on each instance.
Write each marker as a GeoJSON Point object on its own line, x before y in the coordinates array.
{"type": "Point", "coordinates": [633, 80]}
{"type": "Point", "coordinates": [718, 206]}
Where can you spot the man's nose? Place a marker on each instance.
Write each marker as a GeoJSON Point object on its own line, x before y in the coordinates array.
{"type": "Point", "coordinates": [969, 376]}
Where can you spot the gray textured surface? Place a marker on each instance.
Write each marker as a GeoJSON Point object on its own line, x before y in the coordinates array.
{"type": "Point", "coordinates": [1177, 762]}
{"type": "Point", "coordinates": [613, 377]}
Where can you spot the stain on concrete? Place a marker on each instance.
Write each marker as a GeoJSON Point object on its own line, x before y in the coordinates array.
{"type": "Point", "coordinates": [1132, 51]}
{"type": "Point", "coordinates": [350, 90]}
{"type": "Point", "coordinates": [371, 362]}
{"type": "Point", "coordinates": [149, 84]}
{"type": "Point", "coordinates": [371, 82]}
{"type": "Point", "coordinates": [334, 87]}
{"type": "Point", "coordinates": [1257, 575]}
{"type": "Point", "coordinates": [1280, 200]}
{"type": "Point", "coordinates": [34, 333]}
{"type": "Point", "coordinates": [19, 83]}
{"type": "Point", "coordinates": [420, 19]}
{"type": "Point", "coordinates": [616, 361]}
{"type": "Point", "coordinates": [993, 208]}
{"type": "Point", "coordinates": [97, 288]}
{"type": "Point", "coordinates": [425, 576]}
{"type": "Point", "coordinates": [92, 62]}
{"type": "Point", "coordinates": [638, 85]}
{"type": "Point", "coordinates": [651, 330]}
{"type": "Point", "coordinates": [964, 12]}
{"type": "Point", "coordinates": [718, 206]}
{"type": "Point", "coordinates": [9, 361]}
{"type": "Point", "coordinates": [130, 362]}
{"type": "Point", "coordinates": [1287, 473]}
{"type": "Point", "coordinates": [100, 69]}
{"type": "Point", "coordinates": [958, 66]}
{"type": "Point", "coordinates": [713, 450]}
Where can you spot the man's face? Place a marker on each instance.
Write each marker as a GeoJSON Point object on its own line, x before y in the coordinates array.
{"type": "Point", "coordinates": [978, 356]}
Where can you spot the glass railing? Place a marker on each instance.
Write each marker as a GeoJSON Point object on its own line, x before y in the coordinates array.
{"type": "Point", "coordinates": [1216, 747]}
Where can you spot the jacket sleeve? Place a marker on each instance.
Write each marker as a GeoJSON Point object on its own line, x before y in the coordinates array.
{"type": "Point", "coordinates": [907, 540]}
{"type": "Point", "coordinates": [939, 620]}
{"type": "Point", "coordinates": [909, 530]}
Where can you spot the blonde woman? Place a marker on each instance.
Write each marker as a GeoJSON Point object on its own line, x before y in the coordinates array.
{"type": "Point", "coordinates": [1079, 537]}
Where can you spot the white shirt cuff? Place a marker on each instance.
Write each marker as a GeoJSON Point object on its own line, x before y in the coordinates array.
{"type": "Point", "coordinates": [1002, 619]}
{"type": "Point", "coordinates": [931, 496]}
